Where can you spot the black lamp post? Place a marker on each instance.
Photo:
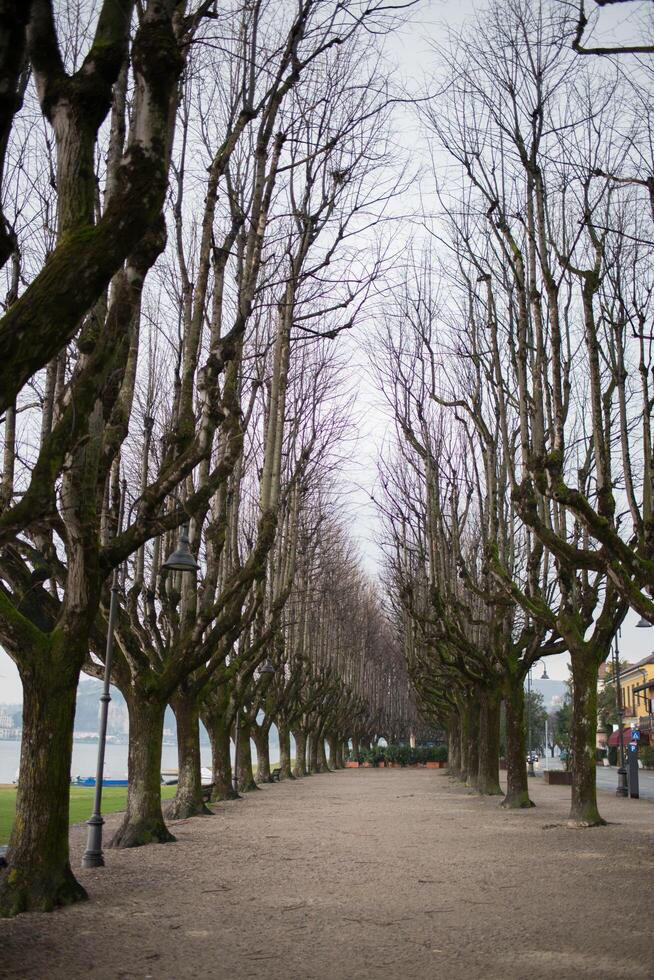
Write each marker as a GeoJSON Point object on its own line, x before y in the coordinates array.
{"type": "Point", "coordinates": [181, 560]}
{"type": "Point", "coordinates": [530, 758]}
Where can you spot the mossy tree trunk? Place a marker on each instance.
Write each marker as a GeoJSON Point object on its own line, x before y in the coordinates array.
{"type": "Point", "coordinates": [472, 747]}
{"type": "Point", "coordinates": [517, 788]}
{"type": "Point", "coordinates": [463, 742]}
{"type": "Point", "coordinates": [38, 876]}
{"type": "Point", "coordinates": [312, 754]}
{"type": "Point", "coordinates": [260, 735]}
{"type": "Point", "coordinates": [583, 806]}
{"type": "Point", "coordinates": [143, 822]}
{"type": "Point", "coordinates": [322, 756]}
{"type": "Point", "coordinates": [285, 752]}
{"type": "Point", "coordinates": [214, 716]}
{"type": "Point", "coordinates": [454, 746]}
{"type": "Point", "coordinates": [245, 781]}
{"type": "Point", "coordinates": [488, 773]}
{"type": "Point", "coordinates": [188, 800]}
{"type": "Point", "coordinates": [299, 769]}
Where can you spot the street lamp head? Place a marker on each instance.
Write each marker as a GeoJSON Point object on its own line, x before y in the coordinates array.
{"type": "Point", "coordinates": [643, 624]}
{"type": "Point", "coordinates": [266, 667]}
{"type": "Point", "coordinates": [545, 676]}
{"type": "Point", "coordinates": [181, 560]}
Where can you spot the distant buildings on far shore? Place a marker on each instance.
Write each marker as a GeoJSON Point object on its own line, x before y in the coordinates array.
{"type": "Point", "coordinates": [9, 732]}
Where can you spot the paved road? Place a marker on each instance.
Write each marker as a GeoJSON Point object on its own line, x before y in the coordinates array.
{"type": "Point", "coordinates": [607, 778]}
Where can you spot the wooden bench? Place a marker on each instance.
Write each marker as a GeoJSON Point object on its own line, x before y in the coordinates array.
{"type": "Point", "coordinates": [275, 775]}
{"type": "Point", "coordinates": [207, 791]}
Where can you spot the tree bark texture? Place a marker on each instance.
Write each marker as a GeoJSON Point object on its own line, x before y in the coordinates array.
{"type": "Point", "coordinates": [322, 757]}
{"type": "Point", "coordinates": [313, 754]}
{"type": "Point", "coordinates": [143, 822]}
{"type": "Point", "coordinates": [38, 876]}
{"type": "Point", "coordinates": [454, 746]}
{"type": "Point", "coordinates": [517, 787]}
{"type": "Point", "coordinates": [188, 800]}
{"type": "Point", "coordinates": [246, 782]}
{"type": "Point", "coordinates": [472, 749]}
{"type": "Point", "coordinates": [285, 753]}
{"type": "Point", "coordinates": [215, 721]}
{"type": "Point", "coordinates": [262, 742]}
{"type": "Point", "coordinates": [583, 807]}
{"type": "Point", "coordinates": [300, 753]}
{"type": "Point", "coordinates": [488, 773]}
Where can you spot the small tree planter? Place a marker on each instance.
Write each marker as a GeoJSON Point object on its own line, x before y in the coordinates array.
{"type": "Point", "coordinates": [381, 765]}
{"type": "Point", "coordinates": [435, 765]}
{"type": "Point", "coordinates": [351, 765]}
{"type": "Point", "coordinates": [557, 777]}
{"type": "Point", "coordinates": [366, 765]}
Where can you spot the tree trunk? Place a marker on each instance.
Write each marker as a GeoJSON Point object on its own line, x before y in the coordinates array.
{"type": "Point", "coordinates": [245, 777]}
{"type": "Point", "coordinates": [262, 742]}
{"type": "Point", "coordinates": [583, 808]}
{"type": "Point", "coordinates": [463, 734]}
{"type": "Point", "coordinates": [333, 745]}
{"type": "Point", "coordinates": [313, 754]}
{"type": "Point", "coordinates": [300, 753]}
{"type": "Point", "coordinates": [188, 800]}
{"type": "Point", "coordinates": [215, 721]}
{"type": "Point", "coordinates": [517, 787]}
{"type": "Point", "coordinates": [144, 822]}
{"type": "Point", "coordinates": [39, 876]}
{"type": "Point", "coordinates": [472, 749]}
{"type": "Point", "coordinates": [221, 760]}
{"type": "Point", "coordinates": [454, 746]}
{"type": "Point", "coordinates": [285, 753]}
{"type": "Point", "coordinates": [355, 747]}
{"type": "Point", "coordinates": [322, 757]}
{"type": "Point", "coordinates": [488, 775]}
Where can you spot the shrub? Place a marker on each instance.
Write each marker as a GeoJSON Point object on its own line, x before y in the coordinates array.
{"type": "Point", "coordinates": [646, 755]}
{"type": "Point", "coordinates": [613, 755]}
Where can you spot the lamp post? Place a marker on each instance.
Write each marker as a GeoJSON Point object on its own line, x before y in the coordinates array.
{"type": "Point", "coordinates": [622, 772]}
{"type": "Point", "coordinates": [181, 560]}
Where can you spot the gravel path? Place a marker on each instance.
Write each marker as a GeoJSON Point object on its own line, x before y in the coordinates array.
{"type": "Point", "coordinates": [357, 875]}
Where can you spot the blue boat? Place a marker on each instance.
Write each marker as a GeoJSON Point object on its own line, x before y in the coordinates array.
{"type": "Point", "coordinates": [90, 781]}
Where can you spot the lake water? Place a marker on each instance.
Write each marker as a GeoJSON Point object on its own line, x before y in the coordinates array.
{"type": "Point", "coordinates": [115, 764]}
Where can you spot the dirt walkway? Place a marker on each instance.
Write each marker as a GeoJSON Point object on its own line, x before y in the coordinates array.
{"type": "Point", "coordinates": [359, 875]}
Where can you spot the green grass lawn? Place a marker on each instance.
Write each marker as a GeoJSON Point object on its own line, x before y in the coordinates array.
{"type": "Point", "coordinates": [81, 804]}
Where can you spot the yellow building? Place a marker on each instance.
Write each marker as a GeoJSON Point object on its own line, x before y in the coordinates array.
{"type": "Point", "coordinates": [637, 684]}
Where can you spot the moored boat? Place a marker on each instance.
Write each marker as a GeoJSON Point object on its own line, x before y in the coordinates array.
{"type": "Point", "coordinates": [90, 781]}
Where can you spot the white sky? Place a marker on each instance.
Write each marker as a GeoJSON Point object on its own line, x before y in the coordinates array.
{"type": "Point", "coordinates": [412, 53]}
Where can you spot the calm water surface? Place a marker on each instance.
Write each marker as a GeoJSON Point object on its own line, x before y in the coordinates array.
{"type": "Point", "coordinates": [115, 763]}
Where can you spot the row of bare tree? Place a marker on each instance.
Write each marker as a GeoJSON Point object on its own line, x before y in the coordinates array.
{"type": "Point", "coordinates": [185, 189]}
{"type": "Point", "coordinates": [518, 494]}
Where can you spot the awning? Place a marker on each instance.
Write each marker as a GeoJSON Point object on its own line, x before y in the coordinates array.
{"type": "Point", "coordinates": [614, 737]}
